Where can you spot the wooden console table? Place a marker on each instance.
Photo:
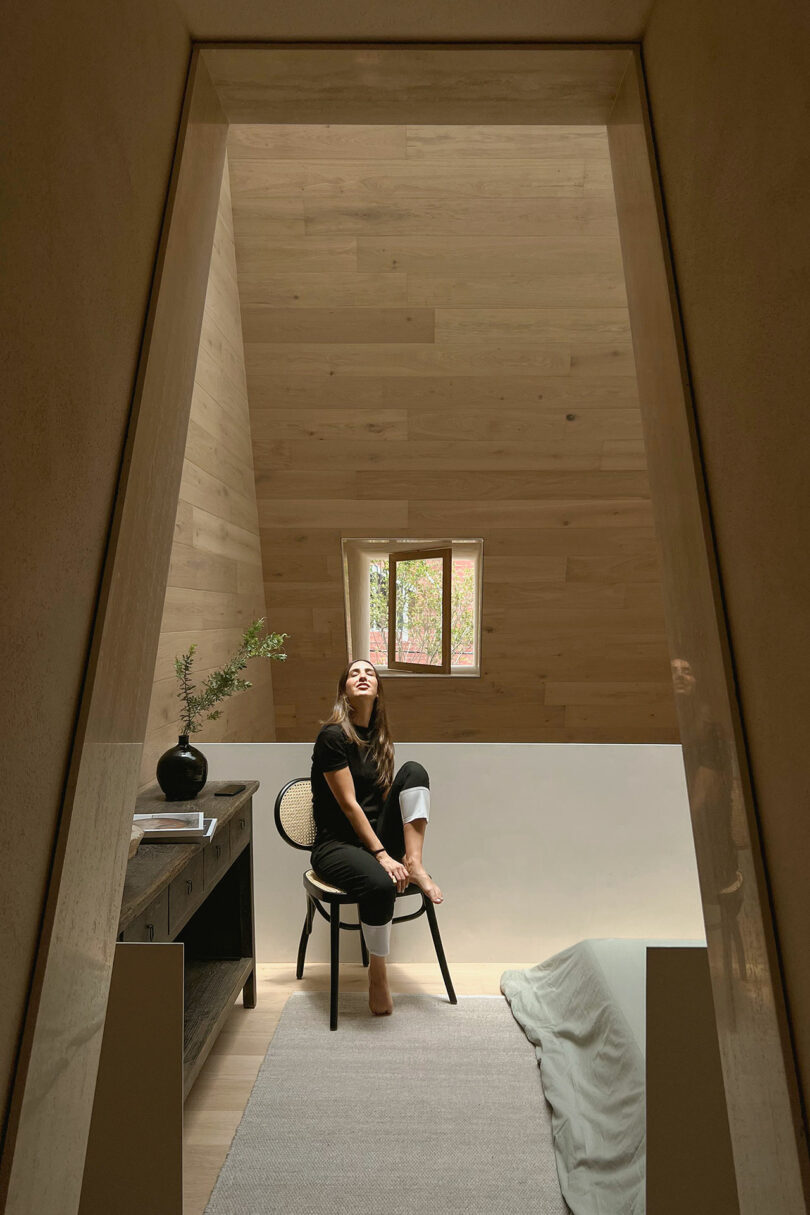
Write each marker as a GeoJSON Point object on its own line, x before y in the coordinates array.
{"type": "Point", "coordinates": [166, 1001]}
{"type": "Point", "coordinates": [200, 895]}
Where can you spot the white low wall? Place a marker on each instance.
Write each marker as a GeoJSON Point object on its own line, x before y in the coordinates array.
{"type": "Point", "coordinates": [536, 846]}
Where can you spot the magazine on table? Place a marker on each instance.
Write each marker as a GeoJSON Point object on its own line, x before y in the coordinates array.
{"type": "Point", "coordinates": [175, 827]}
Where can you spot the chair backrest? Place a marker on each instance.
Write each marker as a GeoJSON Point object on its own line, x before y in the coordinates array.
{"type": "Point", "coordinates": [293, 813]}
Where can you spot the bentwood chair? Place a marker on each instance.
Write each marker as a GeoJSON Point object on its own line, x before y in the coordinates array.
{"type": "Point", "coordinates": [296, 825]}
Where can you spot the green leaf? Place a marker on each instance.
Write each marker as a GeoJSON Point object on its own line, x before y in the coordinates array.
{"type": "Point", "coordinates": [225, 681]}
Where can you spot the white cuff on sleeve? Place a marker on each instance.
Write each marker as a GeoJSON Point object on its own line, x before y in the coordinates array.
{"type": "Point", "coordinates": [377, 938]}
{"type": "Point", "coordinates": [414, 803]}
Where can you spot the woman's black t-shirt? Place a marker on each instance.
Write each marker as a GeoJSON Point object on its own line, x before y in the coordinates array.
{"type": "Point", "coordinates": [334, 750]}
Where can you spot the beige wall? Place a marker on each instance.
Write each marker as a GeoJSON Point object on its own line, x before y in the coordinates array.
{"type": "Point", "coordinates": [730, 94]}
{"type": "Point", "coordinates": [92, 106]}
{"type": "Point", "coordinates": [437, 344]}
{"type": "Point", "coordinates": [215, 586]}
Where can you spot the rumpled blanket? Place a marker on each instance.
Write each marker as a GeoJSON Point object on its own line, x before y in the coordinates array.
{"type": "Point", "coordinates": [589, 1039]}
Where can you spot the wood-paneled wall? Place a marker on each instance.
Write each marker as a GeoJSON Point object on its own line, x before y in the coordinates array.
{"type": "Point", "coordinates": [78, 259]}
{"type": "Point", "coordinates": [215, 585]}
{"type": "Point", "coordinates": [437, 344]}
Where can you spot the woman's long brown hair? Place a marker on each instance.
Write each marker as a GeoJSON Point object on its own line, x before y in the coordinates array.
{"type": "Point", "coordinates": [382, 747]}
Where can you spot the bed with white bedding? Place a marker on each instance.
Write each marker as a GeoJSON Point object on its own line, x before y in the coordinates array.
{"type": "Point", "coordinates": [584, 1011]}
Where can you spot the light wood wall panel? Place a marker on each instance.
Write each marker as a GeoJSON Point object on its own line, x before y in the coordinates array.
{"type": "Point", "coordinates": [738, 863]}
{"type": "Point", "coordinates": [215, 585]}
{"type": "Point", "coordinates": [428, 84]}
{"type": "Point", "coordinates": [78, 258]}
{"type": "Point", "coordinates": [446, 351]}
{"type": "Point", "coordinates": [76, 372]}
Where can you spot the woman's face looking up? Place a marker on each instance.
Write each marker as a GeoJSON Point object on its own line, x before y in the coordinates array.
{"type": "Point", "coordinates": [361, 683]}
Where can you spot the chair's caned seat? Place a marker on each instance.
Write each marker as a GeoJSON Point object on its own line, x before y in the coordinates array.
{"type": "Point", "coordinates": [312, 877]}
{"type": "Point", "coordinates": [319, 883]}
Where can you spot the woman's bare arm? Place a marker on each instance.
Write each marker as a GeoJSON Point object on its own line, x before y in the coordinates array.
{"type": "Point", "coordinates": [342, 787]}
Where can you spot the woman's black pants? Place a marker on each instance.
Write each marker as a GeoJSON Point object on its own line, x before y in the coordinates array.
{"type": "Point", "coordinates": [353, 869]}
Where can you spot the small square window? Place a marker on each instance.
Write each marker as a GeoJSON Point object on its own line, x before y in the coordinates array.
{"type": "Point", "coordinates": [413, 607]}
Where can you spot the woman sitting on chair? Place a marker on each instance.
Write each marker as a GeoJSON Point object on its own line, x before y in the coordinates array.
{"type": "Point", "coordinates": [370, 823]}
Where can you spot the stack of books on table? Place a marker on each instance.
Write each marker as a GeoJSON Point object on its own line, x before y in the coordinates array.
{"type": "Point", "coordinates": [175, 827]}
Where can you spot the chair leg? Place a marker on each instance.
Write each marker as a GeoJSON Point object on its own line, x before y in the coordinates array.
{"type": "Point", "coordinates": [430, 911]}
{"type": "Point", "coordinates": [363, 949]}
{"type": "Point", "coordinates": [334, 963]}
{"type": "Point", "coordinates": [302, 946]}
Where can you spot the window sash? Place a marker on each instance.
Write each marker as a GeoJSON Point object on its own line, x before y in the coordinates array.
{"type": "Point", "coordinates": [420, 554]}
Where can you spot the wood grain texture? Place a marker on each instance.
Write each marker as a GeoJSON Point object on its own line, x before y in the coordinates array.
{"type": "Point", "coordinates": [547, 217]}
{"type": "Point", "coordinates": [354, 324]}
{"type": "Point", "coordinates": [465, 370]}
{"type": "Point", "coordinates": [415, 84]}
{"type": "Point", "coordinates": [396, 179]}
{"type": "Point", "coordinates": [215, 587]}
{"type": "Point", "coordinates": [57, 1059]}
{"type": "Point", "coordinates": [557, 288]}
{"type": "Point", "coordinates": [570, 253]}
{"type": "Point", "coordinates": [263, 288]}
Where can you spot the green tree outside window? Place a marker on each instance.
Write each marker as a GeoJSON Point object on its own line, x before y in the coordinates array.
{"type": "Point", "coordinates": [419, 611]}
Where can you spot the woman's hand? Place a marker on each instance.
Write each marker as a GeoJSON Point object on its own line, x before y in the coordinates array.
{"type": "Point", "coordinates": [396, 871]}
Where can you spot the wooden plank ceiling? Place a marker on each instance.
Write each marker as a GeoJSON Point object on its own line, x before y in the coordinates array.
{"type": "Point", "coordinates": [437, 343]}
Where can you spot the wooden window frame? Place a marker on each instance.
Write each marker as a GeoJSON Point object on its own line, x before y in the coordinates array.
{"type": "Point", "coordinates": [421, 554]}
{"type": "Point", "coordinates": [356, 552]}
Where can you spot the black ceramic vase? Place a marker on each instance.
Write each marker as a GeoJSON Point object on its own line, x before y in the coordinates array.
{"type": "Point", "coordinates": [182, 771]}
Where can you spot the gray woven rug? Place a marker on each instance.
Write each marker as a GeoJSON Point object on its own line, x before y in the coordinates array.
{"type": "Point", "coordinates": [434, 1110]}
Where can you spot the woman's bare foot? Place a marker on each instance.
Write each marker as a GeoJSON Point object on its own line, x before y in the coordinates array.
{"type": "Point", "coordinates": [421, 878]}
{"type": "Point", "coordinates": [379, 994]}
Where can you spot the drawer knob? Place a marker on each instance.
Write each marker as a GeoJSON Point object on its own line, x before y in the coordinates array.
{"type": "Point", "coordinates": [189, 885]}
{"type": "Point", "coordinates": [218, 850]}
{"type": "Point", "coordinates": [242, 824]}
{"type": "Point", "coordinates": [150, 932]}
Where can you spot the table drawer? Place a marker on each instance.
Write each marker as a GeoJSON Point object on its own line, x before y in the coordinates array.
{"type": "Point", "coordinates": [185, 893]}
{"type": "Point", "coordinates": [153, 923]}
{"type": "Point", "coordinates": [240, 826]}
{"type": "Point", "coordinates": [216, 857]}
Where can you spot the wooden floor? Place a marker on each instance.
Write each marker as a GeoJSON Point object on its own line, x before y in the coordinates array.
{"type": "Point", "coordinates": [215, 1104]}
